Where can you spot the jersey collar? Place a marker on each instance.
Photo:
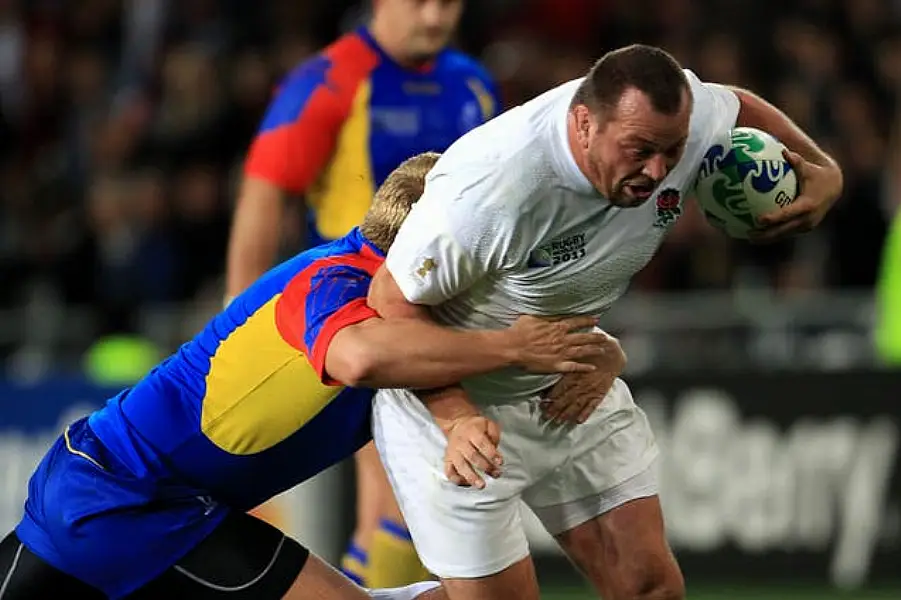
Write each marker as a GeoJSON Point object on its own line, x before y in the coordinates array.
{"type": "Point", "coordinates": [365, 245]}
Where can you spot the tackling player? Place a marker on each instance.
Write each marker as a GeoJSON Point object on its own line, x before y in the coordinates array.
{"type": "Point", "coordinates": [339, 124]}
{"type": "Point", "coordinates": [146, 497]}
{"type": "Point", "coordinates": [551, 208]}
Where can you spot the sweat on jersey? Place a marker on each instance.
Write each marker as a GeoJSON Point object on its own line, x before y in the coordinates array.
{"type": "Point", "coordinates": [509, 225]}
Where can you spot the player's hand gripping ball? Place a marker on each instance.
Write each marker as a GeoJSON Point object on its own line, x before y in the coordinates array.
{"type": "Point", "coordinates": [743, 176]}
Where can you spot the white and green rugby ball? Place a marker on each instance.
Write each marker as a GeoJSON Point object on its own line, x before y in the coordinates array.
{"type": "Point", "coordinates": [743, 176]}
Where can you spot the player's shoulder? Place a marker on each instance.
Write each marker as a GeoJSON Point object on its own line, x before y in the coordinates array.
{"type": "Point", "coordinates": [715, 109]}
{"type": "Point", "coordinates": [459, 64]}
{"type": "Point", "coordinates": [488, 185]}
{"type": "Point", "coordinates": [349, 59]}
{"type": "Point", "coordinates": [352, 52]}
{"type": "Point", "coordinates": [351, 253]}
{"type": "Point", "coordinates": [709, 100]}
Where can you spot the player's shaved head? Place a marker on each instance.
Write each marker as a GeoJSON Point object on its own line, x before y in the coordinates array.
{"type": "Point", "coordinates": [394, 199]}
{"type": "Point", "coordinates": [648, 69]}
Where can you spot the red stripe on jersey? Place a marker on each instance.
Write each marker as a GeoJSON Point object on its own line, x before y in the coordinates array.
{"type": "Point", "coordinates": [299, 295]}
{"type": "Point", "coordinates": [291, 156]}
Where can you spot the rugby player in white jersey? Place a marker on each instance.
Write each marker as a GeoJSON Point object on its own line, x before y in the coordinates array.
{"type": "Point", "coordinates": [550, 209]}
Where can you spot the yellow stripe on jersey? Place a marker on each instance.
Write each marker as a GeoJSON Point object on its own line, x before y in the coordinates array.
{"type": "Point", "coordinates": [342, 195]}
{"type": "Point", "coordinates": [484, 97]}
{"type": "Point", "coordinates": [259, 389]}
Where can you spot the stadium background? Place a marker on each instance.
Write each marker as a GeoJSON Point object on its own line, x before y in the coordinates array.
{"type": "Point", "coordinates": [123, 124]}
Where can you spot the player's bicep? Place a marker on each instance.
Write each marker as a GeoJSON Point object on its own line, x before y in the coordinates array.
{"type": "Point", "coordinates": [298, 134]}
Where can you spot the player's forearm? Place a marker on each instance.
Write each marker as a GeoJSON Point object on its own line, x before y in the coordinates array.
{"type": "Point", "coordinates": [760, 114]}
{"type": "Point", "coordinates": [256, 231]}
{"type": "Point", "coordinates": [425, 354]}
{"type": "Point", "coordinates": [412, 353]}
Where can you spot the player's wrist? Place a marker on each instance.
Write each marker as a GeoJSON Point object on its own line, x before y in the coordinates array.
{"type": "Point", "coordinates": [448, 406]}
{"type": "Point", "coordinates": [505, 345]}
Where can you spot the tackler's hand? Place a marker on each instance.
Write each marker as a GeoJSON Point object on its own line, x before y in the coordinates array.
{"type": "Point", "coordinates": [472, 447]}
{"type": "Point", "coordinates": [555, 345]}
{"type": "Point", "coordinates": [577, 395]}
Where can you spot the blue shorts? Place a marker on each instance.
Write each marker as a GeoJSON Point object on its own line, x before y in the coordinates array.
{"type": "Point", "coordinates": [90, 517]}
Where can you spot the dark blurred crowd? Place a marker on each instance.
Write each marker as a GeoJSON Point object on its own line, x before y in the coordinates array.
{"type": "Point", "coordinates": [123, 125]}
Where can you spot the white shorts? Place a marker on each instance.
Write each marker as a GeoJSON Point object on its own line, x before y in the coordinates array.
{"type": "Point", "coordinates": [566, 474]}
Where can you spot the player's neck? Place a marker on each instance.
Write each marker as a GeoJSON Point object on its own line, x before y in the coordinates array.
{"type": "Point", "coordinates": [392, 45]}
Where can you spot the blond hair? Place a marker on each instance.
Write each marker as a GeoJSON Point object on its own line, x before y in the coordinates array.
{"type": "Point", "coordinates": [394, 199]}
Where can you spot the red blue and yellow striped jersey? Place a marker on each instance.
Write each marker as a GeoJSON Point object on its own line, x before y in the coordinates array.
{"type": "Point", "coordinates": [343, 120]}
{"type": "Point", "coordinates": [245, 410]}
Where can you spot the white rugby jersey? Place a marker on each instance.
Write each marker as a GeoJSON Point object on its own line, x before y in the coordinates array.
{"type": "Point", "coordinates": [509, 225]}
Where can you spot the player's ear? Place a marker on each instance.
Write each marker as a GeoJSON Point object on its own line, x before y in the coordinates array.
{"type": "Point", "coordinates": [582, 117]}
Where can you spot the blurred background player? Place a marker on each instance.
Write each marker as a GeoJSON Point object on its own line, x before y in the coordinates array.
{"type": "Point", "coordinates": [340, 122]}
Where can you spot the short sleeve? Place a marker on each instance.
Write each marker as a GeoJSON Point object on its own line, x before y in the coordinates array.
{"type": "Point", "coordinates": [715, 107]}
{"type": "Point", "coordinates": [318, 303]}
{"type": "Point", "coordinates": [455, 235]}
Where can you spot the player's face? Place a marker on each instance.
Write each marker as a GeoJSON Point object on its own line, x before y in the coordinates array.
{"type": "Point", "coordinates": [633, 150]}
{"type": "Point", "coordinates": [426, 25]}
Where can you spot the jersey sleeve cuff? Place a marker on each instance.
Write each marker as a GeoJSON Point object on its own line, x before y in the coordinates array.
{"type": "Point", "coordinates": [350, 314]}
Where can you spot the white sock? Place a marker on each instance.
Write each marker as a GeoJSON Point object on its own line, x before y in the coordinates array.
{"type": "Point", "coordinates": [408, 592]}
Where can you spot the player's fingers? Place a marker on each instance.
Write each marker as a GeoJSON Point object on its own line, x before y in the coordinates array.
{"type": "Point", "coordinates": [477, 460]}
{"type": "Point", "coordinates": [571, 410]}
{"type": "Point", "coordinates": [450, 471]}
{"type": "Point", "coordinates": [801, 207]}
{"type": "Point", "coordinates": [493, 431]}
{"type": "Point", "coordinates": [490, 453]}
{"type": "Point", "coordinates": [571, 323]}
{"type": "Point", "coordinates": [795, 226]}
{"type": "Point", "coordinates": [572, 366]}
{"type": "Point", "coordinates": [593, 339]}
{"type": "Point", "coordinates": [590, 351]}
{"type": "Point", "coordinates": [592, 406]}
{"type": "Point", "coordinates": [551, 411]}
{"type": "Point", "coordinates": [796, 161]}
{"type": "Point", "coordinates": [469, 475]}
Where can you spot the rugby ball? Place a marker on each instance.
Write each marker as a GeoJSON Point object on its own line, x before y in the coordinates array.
{"type": "Point", "coordinates": [742, 176]}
